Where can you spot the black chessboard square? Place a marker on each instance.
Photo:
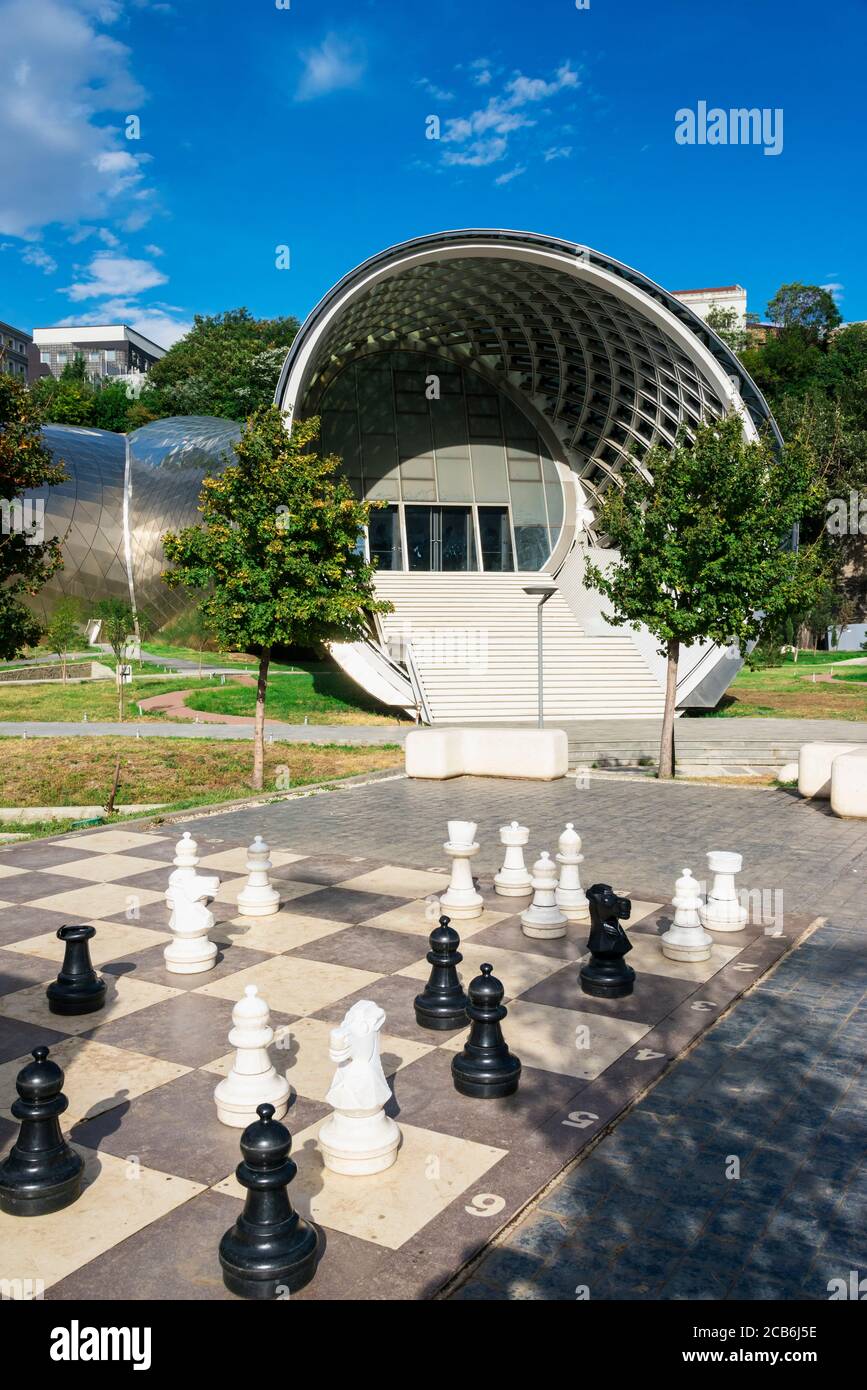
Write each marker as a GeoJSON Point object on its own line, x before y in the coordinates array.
{"type": "Point", "coordinates": [364, 948]}
{"type": "Point", "coordinates": [18, 971]}
{"type": "Point", "coordinates": [653, 996]}
{"type": "Point", "coordinates": [18, 923]}
{"type": "Point", "coordinates": [325, 871]}
{"type": "Point", "coordinates": [18, 1038]}
{"type": "Point", "coordinates": [348, 905]}
{"type": "Point", "coordinates": [150, 966]}
{"type": "Point", "coordinates": [33, 884]}
{"type": "Point", "coordinates": [190, 1029]}
{"type": "Point", "coordinates": [509, 936]}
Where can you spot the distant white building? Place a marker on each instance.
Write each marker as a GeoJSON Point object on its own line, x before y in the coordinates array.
{"type": "Point", "coordinates": [109, 350]}
{"type": "Point", "coordinates": [719, 297]}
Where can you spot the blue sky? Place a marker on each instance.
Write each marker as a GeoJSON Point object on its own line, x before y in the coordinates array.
{"type": "Point", "coordinates": [305, 127]}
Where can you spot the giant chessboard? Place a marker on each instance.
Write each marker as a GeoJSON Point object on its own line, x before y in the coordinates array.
{"type": "Point", "coordinates": [140, 1075]}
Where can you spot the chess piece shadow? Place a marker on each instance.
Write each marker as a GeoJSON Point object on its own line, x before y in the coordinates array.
{"type": "Point", "coordinates": [102, 1122]}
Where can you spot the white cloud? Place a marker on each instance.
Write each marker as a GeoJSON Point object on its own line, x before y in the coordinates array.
{"type": "Point", "coordinates": [438, 93]}
{"type": "Point", "coordinates": [511, 174]}
{"type": "Point", "coordinates": [115, 275]}
{"type": "Point", "coordinates": [335, 64]}
{"type": "Point", "coordinates": [35, 255]}
{"type": "Point", "coordinates": [835, 289]}
{"type": "Point", "coordinates": [61, 159]}
{"type": "Point", "coordinates": [482, 137]}
{"type": "Point", "coordinates": [153, 250]}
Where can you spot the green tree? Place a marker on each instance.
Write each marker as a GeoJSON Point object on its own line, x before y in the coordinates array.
{"type": "Point", "coordinates": [702, 546]}
{"type": "Point", "coordinates": [228, 365]}
{"type": "Point", "coordinates": [111, 407]}
{"type": "Point", "coordinates": [117, 626]}
{"type": "Point", "coordinates": [63, 400]}
{"type": "Point", "coordinates": [62, 631]}
{"type": "Point", "coordinates": [27, 559]}
{"type": "Point", "coordinates": [810, 308]}
{"type": "Point", "coordinates": [277, 554]}
{"type": "Point", "coordinates": [727, 324]}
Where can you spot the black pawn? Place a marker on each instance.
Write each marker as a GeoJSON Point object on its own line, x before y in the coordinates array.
{"type": "Point", "coordinates": [78, 989]}
{"type": "Point", "coordinates": [606, 975]}
{"type": "Point", "coordinates": [42, 1172]}
{"type": "Point", "coordinates": [270, 1248]}
{"type": "Point", "coordinates": [486, 1069]}
{"type": "Point", "coordinates": [442, 1004]}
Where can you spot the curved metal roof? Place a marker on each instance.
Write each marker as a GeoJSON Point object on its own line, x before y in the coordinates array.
{"type": "Point", "coordinates": [606, 359]}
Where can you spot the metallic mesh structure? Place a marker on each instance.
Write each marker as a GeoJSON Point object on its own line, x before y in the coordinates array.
{"type": "Point", "coordinates": [120, 495]}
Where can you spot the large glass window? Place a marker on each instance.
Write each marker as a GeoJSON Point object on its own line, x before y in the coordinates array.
{"type": "Point", "coordinates": [472, 484]}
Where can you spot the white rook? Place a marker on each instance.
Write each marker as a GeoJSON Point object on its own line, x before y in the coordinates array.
{"type": "Point", "coordinates": [460, 898]}
{"type": "Point", "coordinates": [257, 898]}
{"type": "Point", "coordinates": [513, 880]}
{"type": "Point", "coordinates": [253, 1080]}
{"type": "Point", "coordinates": [686, 939]}
{"type": "Point", "coordinates": [722, 911]}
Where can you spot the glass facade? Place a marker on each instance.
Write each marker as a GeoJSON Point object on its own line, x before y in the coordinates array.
{"type": "Point", "coordinates": [468, 480]}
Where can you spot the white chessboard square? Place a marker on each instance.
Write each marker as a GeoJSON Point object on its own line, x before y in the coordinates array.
{"type": "Point", "coordinates": [112, 940]}
{"type": "Point", "coordinates": [110, 1209]}
{"type": "Point", "coordinates": [235, 860]}
{"type": "Point", "coordinates": [102, 868]}
{"type": "Point", "coordinates": [98, 900]}
{"type": "Point", "coordinates": [273, 935]}
{"type": "Point", "coordinates": [293, 985]}
{"type": "Point", "coordinates": [648, 959]}
{"type": "Point", "coordinates": [389, 1208]}
{"type": "Point", "coordinates": [97, 1077]}
{"type": "Point", "coordinates": [518, 970]}
{"type": "Point", "coordinates": [420, 917]}
{"type": "Point", "coordinates": [123, 996]}
{"type": "Point", "coordinates": [300, 1052]}
{"type": "Point", "coordinates": [548, 1038]}
{"type": "Point", "coordinates": [113, 841]}
{"type": "Point", "coordinates": [9, 870]}
{"type": "Point", "coordinates": [390, 880]}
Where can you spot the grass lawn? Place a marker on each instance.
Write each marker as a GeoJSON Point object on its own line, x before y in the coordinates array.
{"type": "Point", "coordinates": [808, 688]}
{"type": "Point", "coordinates": [242, 660]}
{"type": "Point", "coordinates": [180, 772]}
{"type": "Point", "coordinates": [96, 699]}
{"type": "Point", "coordinates": [324, 696]}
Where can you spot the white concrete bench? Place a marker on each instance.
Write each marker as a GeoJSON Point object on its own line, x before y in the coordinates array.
{"type": "Point", "coordinates": [540, 754]}
{"type": "Point", "coordinates": [849, 784]}
{"type": "Point", "coordinates": [815, 761]}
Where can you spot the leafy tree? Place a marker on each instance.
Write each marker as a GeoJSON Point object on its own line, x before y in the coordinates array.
{"type": "Point", "coordinates": [62, 631]}
{"type": "Point", "coordinates": [117, 625]}
{"type": "Point", "coordinates": [702, 546]}
{"type": "Point", "coordinates": [807, 307]}
{"type": "Point", "coordinates": [111, 407]}
{"type": "Point", "coordinates": [727, 324]}
{"type": "Point", "coordinates": [76, 370]}
{"type": "Point", "coordinates": [228, 365]}
{"type": "Point", "coordinates": [277, 553]}
{"type": "Point", "coordinates": [63, 400]}
{"type": "Point", "coordinates": [27, 560]}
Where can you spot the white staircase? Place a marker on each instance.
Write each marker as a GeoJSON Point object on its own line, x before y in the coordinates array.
{"type": "Point", "coordinates": [473, 642]}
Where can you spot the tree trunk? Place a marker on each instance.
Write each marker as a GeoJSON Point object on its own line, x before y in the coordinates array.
{"type": "Point", "coordinates": [666, 746]}
{"type": "Point", "coordinates": [259, 727]}
{"type": "Point", "coordinates": [63, 667]}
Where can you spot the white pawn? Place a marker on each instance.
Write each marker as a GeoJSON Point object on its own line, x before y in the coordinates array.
{"type": "Point", "coordinates": [358, 1137]}
{"type": "Point", "coordinates": [257, 898]}
{"type": "Point", "coordinates": [190, 951]}
{"type": "Point", "coordinates": [722, 911]}
{"type": "Point", "coordinates": [460, 898]}
{"type": "Point", "coordinates": [570, 896]}
{"type": "Point", "coordinates": [543, 917]}
{"type": "Point", "coordinates": [513, 880]}
{"type": "Point", "coordinates": [185, 861]}
{"type": "Point", "coordinates": [686, 939]}
{"type": "Point", "coordinates": [253, 1079]}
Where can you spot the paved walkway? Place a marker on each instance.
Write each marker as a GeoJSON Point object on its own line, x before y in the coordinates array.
{"type": "Point", "coordinates": [778, 1085]}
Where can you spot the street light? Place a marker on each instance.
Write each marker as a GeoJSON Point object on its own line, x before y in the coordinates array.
{"type": "Point", "coordinates": [543, 592]}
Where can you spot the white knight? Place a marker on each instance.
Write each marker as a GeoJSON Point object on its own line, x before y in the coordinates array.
{"type": "Point", "coordinates": [190, 951]}
{"type": "Point", "coordinates": [358, 1137]}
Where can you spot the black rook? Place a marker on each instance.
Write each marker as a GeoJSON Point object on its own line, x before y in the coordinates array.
{"type": "Point", "coordinates": [78, 989]}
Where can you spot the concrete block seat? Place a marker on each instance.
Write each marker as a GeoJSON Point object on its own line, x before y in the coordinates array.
{"type": "Point", "coordinates": [537, 754]}
{"type": "Point", "coordinates": [849, 784]}
{"type": "Point", "coordinates": [815, 761]}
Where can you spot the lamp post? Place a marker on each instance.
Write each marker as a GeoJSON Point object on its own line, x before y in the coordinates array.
{"type": "Point", "coordinates": [543, 592]}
